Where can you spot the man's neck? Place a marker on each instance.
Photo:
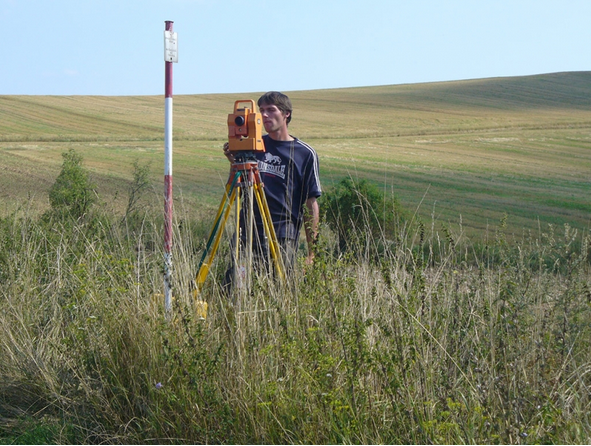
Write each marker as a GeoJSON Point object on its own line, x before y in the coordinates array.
{"type": "Point", "coordinates": [281, 135]}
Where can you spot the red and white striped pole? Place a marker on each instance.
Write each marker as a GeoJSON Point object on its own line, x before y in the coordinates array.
{"type": "Point", "coordinates": [170, 56]}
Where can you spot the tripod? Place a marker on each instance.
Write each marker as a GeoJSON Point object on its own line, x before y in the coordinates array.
{"type": "Point", "coordinates": [243, 183]}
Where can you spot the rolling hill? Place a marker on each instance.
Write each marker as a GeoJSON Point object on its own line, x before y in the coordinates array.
{"type": "Point", "coordinates": [463, 154]}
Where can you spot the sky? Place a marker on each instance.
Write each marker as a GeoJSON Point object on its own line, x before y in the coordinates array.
{"type": "Point", "coordinates": [116, 48]}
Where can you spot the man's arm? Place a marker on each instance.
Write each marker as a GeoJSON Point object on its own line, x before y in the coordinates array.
{"type": "Point", "coordinates": [311, 219]}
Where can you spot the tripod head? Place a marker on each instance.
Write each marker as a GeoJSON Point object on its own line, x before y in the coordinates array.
{"type": "Point", "coordinates": [245, 156]}
{"type": "Point", "coordinates": [245, 128]}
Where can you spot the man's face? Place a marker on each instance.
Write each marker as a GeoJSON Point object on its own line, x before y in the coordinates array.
{"type": "Point", "coordinates": [273, 118]}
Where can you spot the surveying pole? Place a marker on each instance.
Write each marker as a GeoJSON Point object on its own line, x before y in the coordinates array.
{"type": "Point", "coordinates": [170, 57]}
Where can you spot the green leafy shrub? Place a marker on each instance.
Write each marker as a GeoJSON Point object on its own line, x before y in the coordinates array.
{"type": "Point", "coordinates": [357, 210]}
{"type": "Point", "coordinates": [72, 194]}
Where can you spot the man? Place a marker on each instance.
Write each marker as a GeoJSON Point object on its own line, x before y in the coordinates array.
{"type": "Point", "coordinates": [289, 172]}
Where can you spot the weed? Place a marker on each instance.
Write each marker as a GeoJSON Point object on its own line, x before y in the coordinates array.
{"type": "Point", "coordinates": [427, 344]}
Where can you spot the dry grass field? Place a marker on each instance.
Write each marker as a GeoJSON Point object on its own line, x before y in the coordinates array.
{"type": "Point", "coordinates": [462, 153]}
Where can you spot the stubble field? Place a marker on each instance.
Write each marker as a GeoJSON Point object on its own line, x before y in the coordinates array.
{"type": "Point", "coordinates": [460, 153]}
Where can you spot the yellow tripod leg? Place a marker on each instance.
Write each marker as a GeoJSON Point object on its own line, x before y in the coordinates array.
{"type": "Point", "coordinates": [237, 242]}
{"type": "Point", "coordinates": [269, 229]}
{"type": "Point", "coordinates": [215, 237]}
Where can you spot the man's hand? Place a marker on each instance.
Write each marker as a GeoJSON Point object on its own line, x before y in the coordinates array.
{"type": "Point", "coordinates": [227, 152]}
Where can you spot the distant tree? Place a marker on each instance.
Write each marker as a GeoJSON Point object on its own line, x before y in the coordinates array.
{"type": "Point", "coordinates": [72, 193]}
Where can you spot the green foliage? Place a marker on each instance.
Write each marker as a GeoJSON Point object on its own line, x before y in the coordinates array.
{"type": "Point", "coordinates": [358, 211]}
{"type": "Point", "coordinates": [72, 194]}
{"type": "Point", "coordinates": [43, 431]}
{"type": "Point", "coordinates": [140, 184]}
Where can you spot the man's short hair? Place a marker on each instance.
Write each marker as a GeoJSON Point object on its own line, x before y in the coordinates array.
{"type": "Point", "coordinates": [280, 100]}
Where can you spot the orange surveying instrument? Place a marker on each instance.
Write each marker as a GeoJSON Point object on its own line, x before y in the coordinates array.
{"type": "Point", "coordinates": [243, 187]}
{"type": "Point", "coordinates": [245, 130]}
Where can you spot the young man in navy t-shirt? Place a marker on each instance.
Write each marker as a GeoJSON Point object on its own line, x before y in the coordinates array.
{"type": "Point", "coordinates": [289, 172]}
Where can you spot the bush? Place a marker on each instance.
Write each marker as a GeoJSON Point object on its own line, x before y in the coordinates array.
{"type": "Point", "coordinates": [357, 210]}
{"type": "Point", "coordinates": [72, 194]}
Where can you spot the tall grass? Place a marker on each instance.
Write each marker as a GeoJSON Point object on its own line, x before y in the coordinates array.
{"type": "Point", "coordinates": [437, 340]}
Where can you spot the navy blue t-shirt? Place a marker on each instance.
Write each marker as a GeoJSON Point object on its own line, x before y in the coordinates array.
{"type": "Point", "coordinates": [289, 172]}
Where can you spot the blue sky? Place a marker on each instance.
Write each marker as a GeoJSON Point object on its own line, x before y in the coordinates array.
{"type": "Point", "coordinates": [106, 47]}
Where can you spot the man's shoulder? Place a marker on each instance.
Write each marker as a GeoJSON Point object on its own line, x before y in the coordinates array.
{"type": "Point", "coordinates": [306, 146]}
{"type": "Point", "coordinates": [295, 143]}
